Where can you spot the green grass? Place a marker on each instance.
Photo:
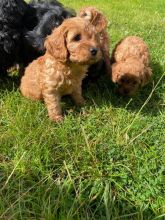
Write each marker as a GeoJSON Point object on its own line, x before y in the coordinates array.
{"type": "Point", "coordinates": [107, 159]}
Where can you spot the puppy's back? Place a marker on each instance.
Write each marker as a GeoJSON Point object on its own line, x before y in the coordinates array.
{"type": "Point", "coordinates": [131, 46]}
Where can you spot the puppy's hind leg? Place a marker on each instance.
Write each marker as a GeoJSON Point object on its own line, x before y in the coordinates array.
{"type": "Point", "coordinates": [30, 88]}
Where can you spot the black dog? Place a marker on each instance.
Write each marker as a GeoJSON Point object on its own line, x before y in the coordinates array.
{"type": "Point", "coordinates": [11, 25]}
{"type": "Point", "coordinates": [24, 27]}
{"type": "Point", "coordinates": [39, 21]}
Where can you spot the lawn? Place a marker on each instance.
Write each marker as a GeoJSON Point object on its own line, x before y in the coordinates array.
{"type": "Point", "coordinates": [107, 159]}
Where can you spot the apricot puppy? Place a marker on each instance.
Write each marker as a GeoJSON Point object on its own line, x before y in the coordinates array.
{"type": "Point", "coordinates": [130, 69]}
{"type": "Point", "coordinates": [100, 22]}
{"type": "Point", "coordinates": [70, 49]}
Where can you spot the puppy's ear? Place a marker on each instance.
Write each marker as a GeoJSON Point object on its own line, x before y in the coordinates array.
{"type": "Point", "coordinates": [146, 76]}
{"type": "Point", "coordinates": [115, 72]}
{"type": "Point", "coordinates": [99, 21]}
{"type": "Point", "coordinates": [55, 44]}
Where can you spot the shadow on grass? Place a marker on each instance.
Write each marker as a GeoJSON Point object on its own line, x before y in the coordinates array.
{"type": "Point", "coordinates": [103, 93]}
{"type": "Point", "coordinates": [9, 83]}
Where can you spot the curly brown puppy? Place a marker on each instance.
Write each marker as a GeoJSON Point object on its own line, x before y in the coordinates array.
{"type": "Point", "coordinates": [70, 49]}
{"type": "Point", "coordinates": [100, 22]}
{"type": "Point", "coordinates": [130, 68]}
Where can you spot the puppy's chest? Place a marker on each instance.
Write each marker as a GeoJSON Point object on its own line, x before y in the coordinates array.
{"type": "Point", "coordinates": [64, 79]}
{"type": "Point", "coordinates": [70, 81]}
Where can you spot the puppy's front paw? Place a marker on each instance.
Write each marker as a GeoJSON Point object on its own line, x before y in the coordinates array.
{"type": "Point", "coordinates": [56, 118]}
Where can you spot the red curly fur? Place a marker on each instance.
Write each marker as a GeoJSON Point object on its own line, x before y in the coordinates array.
{"type": "Point", "coordinates": [130, 68]}
{"type": "Point", "coordinates": [61, 70]}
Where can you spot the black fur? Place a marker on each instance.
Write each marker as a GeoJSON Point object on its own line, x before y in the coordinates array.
{"type": "Point", "coordinates": [11, 26]}
{"type": "Point", "coordinates": [41, 18]}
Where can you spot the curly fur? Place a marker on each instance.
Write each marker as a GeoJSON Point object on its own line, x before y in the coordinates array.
{"type": "Point", "coordinates": [41, 18]}
{"type": "Point", "coordinates": [130, 69]}
{"type": "Point", "coordinates": [11, 25]}
{"type": "Point", "coordinates": [69, 52]}
{"type": "Point", "coordinates": [97, 19]}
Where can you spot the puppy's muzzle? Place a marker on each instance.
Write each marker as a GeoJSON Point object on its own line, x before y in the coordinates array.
{"type": "Point", "coordinates": [93, 51]}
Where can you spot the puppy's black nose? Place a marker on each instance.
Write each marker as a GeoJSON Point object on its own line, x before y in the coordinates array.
{"type": "Point", "coordinates": [93, 51]}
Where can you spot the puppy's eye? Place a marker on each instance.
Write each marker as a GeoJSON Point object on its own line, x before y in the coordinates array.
{"type": "Point", "coordinates": [77, 37]}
